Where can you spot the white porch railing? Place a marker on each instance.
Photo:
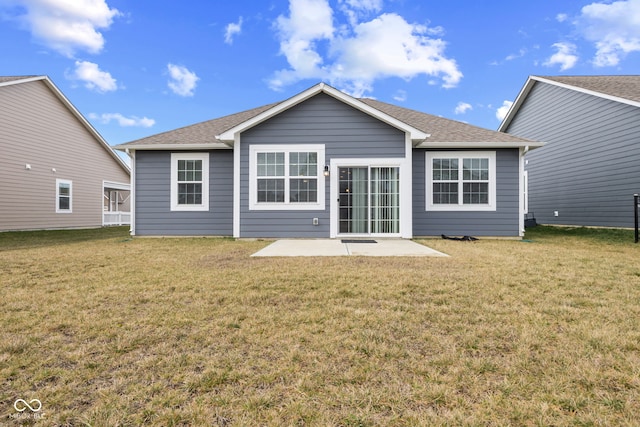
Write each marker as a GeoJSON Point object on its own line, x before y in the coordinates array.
{"type": "Point", "coordinates": [116, 218]}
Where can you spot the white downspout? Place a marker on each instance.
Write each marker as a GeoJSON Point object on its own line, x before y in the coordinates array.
{"type": "Point", "coordinates": [523, 151]}
{"type": "Point", "coordinates": [132, 227]}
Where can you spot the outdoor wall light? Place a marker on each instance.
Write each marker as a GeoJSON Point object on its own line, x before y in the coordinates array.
{"type": "Point", "coordinates": [326, 170]}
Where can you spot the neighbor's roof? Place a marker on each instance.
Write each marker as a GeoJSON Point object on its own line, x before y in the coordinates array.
{"type": "Point", "coordinates": [623, 89]}
{"type": "Point", "coordinates": [627, 87]}
{"type": "Point", "coordinates": [438, 129]}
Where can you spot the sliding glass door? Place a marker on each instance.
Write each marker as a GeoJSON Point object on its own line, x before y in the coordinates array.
{"type": "Point", "coordinates": [385, 200]}
{"type": "Point", "coordinates": [369, 200]}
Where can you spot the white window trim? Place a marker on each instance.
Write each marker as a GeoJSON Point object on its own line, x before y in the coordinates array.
{"type": "Point", "coordinates": [430, 206]}
{"type": "Point", "coordinates": [64, 181]}
{"type": "Point", "coordinates": [204, 206]}
{"type": "Point", "coordinates": [253, 177]}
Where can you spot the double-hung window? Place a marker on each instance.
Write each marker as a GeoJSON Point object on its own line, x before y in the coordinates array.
{"type": "Point", "coordinates": [461, 180]}
{"type": "Point", "coordinates": [286, 177]}
{"type": "Point", "coordinates": [63, 196]}
{"type": "Point", "coordinates": [189, 181]}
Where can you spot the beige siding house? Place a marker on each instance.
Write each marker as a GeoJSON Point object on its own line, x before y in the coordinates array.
{"type": "Point", "coordinates": [56, 169]}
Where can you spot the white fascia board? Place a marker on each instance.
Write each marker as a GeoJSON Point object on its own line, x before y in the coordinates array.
{"type": "Point", "coordinates": [75, 112]}
{"type": "Point", "coordinates": [229, 135]}
{"type": "Point", "coordinates": [157, 147]}
{"type": "Point", "coordinates": [23, 80]}
{"type": "Point", "coordinates": [516, 104]}
{"type": "Point", "coordinates": [82, 119]}
{"type": "Point", "coordinates": [116, 185]}
{"type": "Point", "coordinates": [529, 145]}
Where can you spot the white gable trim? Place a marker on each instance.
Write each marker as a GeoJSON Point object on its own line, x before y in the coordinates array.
{"type": "Point", "coordinates": [516, 104]}
{"type": "Point", "coordinates": [22, 80]}
{"type": "Point", "coordinates": [588, 91]}
{"type": "Point", "coordinates": [76, 114]}
{"type": "Point", "coordinates": [229, 135]}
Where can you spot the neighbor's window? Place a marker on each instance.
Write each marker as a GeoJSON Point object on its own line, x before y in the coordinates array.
{"type": "Point", "coordinates": [460, 180]}
{"type": "Point", "coordinates": [189, 181]}
{"type": "Point", "coordinates": [63, 196]}
{"type": "Point", "coordinates": [286, 177]}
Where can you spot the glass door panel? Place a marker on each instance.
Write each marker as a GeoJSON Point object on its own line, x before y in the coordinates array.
{"type": "Point", "coordinates": [353, 200]}
{"type": "Point", "coordinates": [385, 200]}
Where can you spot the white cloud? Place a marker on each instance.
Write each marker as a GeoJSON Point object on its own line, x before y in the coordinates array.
{"type": "Point", "coordinates": [561, 17]}
{"type": "Point", "coordinates": [309, 21]}
{"type": "Point", "coordinates": [182, 81]}
{"type": "Point", "coordinates": [501, 112]}
{"type": "Point", "coordinates": [565, 56]}
{"type": "Point", "coordinates": [462, 108]}
{"type": "Point", "coordinates": [522, 52]}
{"type": "Point", "coordinates": [231, 30]}
{"type": "Point", "coordinates": [355, 9]}
{"type": "Point", "coordinates": [614, 28]}
{"type": "Point", "coordinates": [400, 96]}
{"type": "Point", "coordinates": [355, 56]}
{"type": "Point", "coordinates": [123, 121]}
{"type": "Point", "coordinates": [364, 5]}
{"type": "Point", "coordinates": [93, 77]}
{"type": "Point", "coordinates": [66, 25]}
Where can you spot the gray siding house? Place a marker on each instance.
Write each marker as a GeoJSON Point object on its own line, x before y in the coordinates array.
{"type": "Point", "coordinates": [56, 170]}
{"type": "Point", "coordinates": [323, 164]}
{"type": "Point", "coordinates": [589, 169]}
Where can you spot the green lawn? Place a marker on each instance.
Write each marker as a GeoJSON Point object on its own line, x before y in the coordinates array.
{"type": "Point", "coordinates": [106, 330]}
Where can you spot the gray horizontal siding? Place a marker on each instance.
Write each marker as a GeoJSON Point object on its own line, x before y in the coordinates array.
{"type": "Point", "coordinates": [590, 167]}
{"type": "Point", "coordinates": [345, 133]}
{"type": "Point", "coordinates": [504, 222]}
{"type": "Point", "coordinates": [153, 215]}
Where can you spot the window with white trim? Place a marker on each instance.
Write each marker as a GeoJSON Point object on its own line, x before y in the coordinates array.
{"type": "Point", "coordinates": [286, 177]}
{"type": "Point", "coordinates": [63, 196]}
{"type": "Point", "coordinates": [461, 180]}
{"type": "Point", "coordinates": [189, 181]}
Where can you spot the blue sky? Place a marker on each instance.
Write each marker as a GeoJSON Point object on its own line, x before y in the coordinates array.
{"type": "Point", "coordinates": [136, 68]}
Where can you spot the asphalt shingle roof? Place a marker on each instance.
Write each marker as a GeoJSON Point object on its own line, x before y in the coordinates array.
{"type": "Point", "coordinates": [200, 133]}
{"type": "Point", "coordinates": [627, 87]}
{"type": "Point", "coordinates": [440, 129]}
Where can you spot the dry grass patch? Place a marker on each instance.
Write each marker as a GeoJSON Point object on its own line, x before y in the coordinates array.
{"type": "Point", "coordinates": [107, 330]}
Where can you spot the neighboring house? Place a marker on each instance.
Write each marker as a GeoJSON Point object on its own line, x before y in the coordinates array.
{"type": "Point", "coordinates": [57, 171]}
{"type": "Point", "coordinates": [323, 164]}
{"type": "Point", "coordinates": [589, 170]}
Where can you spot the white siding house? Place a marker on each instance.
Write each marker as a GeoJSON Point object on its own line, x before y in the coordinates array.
{"type": "Point", "coordinates": [56, 170]}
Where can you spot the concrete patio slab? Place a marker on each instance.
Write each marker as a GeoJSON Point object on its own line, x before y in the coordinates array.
{"type": "Point", "coordinates": [336, 247]}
